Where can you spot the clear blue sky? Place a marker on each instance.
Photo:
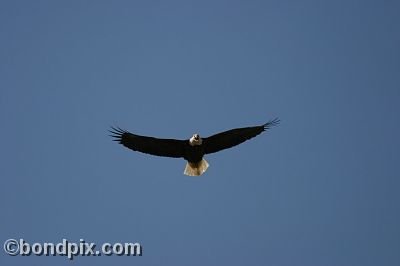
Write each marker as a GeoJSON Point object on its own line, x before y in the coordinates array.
{"type": "Point", "coordinates": [320, 189]}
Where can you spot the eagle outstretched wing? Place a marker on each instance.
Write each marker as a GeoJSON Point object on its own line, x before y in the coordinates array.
{"type": "Point", "coordinates": [233, 137]}
{"type": "Point", "coordinates": [154, 146]}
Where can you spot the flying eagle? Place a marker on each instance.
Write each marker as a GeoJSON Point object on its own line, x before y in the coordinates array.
{"type": "Point", "coordinates": [193, 149]}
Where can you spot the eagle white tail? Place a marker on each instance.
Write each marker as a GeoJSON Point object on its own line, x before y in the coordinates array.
{"type": "Point", "coordinates": [196, 169]}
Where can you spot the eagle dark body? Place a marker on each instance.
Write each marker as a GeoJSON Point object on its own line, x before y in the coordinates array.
{"type": "Point", "coordinates": [193, 154]}
{"type": "Point", "coordinates": [193, 149]}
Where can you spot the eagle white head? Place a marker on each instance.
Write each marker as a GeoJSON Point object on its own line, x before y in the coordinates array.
{"type": "Point", "coordinates": [195, 140]}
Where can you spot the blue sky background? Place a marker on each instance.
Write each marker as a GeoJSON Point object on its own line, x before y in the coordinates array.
{"type": "Point", "coordinates": [320, 189]}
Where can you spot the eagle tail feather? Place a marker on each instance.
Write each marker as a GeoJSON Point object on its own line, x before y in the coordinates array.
{"type": "Point", "coordinates": [196, 169]}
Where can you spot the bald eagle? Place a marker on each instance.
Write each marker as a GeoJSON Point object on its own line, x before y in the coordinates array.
{"type": "Point", "coordinates": [193, 149]}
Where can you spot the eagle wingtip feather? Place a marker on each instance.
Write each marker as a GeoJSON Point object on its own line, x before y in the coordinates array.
{"type": "Point", "coordinates": [274, 122]}
{"type": "Point", "coordinates": [116, 133]}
